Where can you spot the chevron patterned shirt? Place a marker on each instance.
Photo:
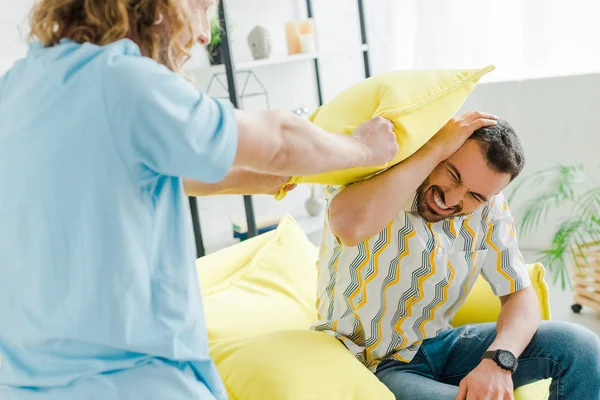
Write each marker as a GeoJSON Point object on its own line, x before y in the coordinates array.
{"type": "Point", "coordinates": [386, 295]}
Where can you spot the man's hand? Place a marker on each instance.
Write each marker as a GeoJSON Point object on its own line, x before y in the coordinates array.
{"type": "Point", "coordinates": [239, 181]}
{"type": "Point", "coordinates": [379, 140]}
{"type": "Point", "coordinates": [455, 133]}
{"type": "Point", "coordinates": [270, 184]}
{"type": "Point", "coordinates": [486, 382]}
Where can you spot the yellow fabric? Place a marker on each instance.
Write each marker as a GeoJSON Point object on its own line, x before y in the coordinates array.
{"type": "Point", "coordinates": [271, 286]}
{"type": "Point", "coordinates": [418, 102]}
{"type": "Point", "coordinates": [482, 306]}
{"type": "Point", "coordinates": [294, 365]}
{"type": "Point", "coordinates": [259, 299]}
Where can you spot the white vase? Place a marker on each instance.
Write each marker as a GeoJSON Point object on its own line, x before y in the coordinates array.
{"type": "Point", "coordinates": [315, 204]}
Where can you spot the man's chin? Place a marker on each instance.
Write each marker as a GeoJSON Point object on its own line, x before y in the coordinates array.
{"type": "Point", "coordinates": [431, 216]}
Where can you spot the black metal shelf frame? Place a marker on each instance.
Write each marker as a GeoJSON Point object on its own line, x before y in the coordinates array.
{"type": "Point", "coordinates": [230, 71]}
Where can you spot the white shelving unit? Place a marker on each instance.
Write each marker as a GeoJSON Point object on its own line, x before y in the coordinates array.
{"type": "Point", "coordinates": [248, 65]}
{"type": "Point", "coordinates": [310, 225]}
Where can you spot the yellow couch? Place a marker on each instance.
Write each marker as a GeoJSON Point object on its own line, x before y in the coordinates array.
{"type": "Point", "coordinates": [259, 298]}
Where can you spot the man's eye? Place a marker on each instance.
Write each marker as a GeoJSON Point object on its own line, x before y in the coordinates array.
{"type": "Point", "coordinates": [454, 178]}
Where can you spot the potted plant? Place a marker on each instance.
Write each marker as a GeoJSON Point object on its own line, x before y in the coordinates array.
{"type": "Point", "coordinates": [214, 47]}
{"type": "Point", "coordinates": [575, 246]}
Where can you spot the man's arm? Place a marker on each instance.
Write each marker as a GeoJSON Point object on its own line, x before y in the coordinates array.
{"type": "Point", "coordinates": [518, 321]}
{"type": "Point", "coordinates": [285, 144]}
{"type": "Point", "coordinates": [363, 209]}
{"type": "Point", "coordinates": [519, 318]}
{"type": "Point", "coordinates": [238, 181]}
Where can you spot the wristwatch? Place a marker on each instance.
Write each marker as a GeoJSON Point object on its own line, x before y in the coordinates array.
{"type": "Point", "coordinates": [504, 358]}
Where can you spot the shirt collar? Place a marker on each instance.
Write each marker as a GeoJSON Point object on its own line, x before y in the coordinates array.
{"type": "Point", "coordinates": [411, 204]}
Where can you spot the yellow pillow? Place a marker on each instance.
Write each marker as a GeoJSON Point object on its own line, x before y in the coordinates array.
{"type": "Point", "coordinates": [294, 365]}
{"type": "Point", "coordinates": [262, 285]}
{"type": "Point", "coordinates": [483, 306]}
{"type": "Point", "coordinates": [418, 102]}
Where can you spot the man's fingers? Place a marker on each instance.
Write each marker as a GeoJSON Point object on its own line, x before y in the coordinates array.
{"type": "Point", "coordinates": [481, 123]}
{"type": "Point", "coordinates": [384, 121]}
{"type": "Point", "coordinates": [474, 115]}
{"type": "Point", "coordinates": [462, 391]}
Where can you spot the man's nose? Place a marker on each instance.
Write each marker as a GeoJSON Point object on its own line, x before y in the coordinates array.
{"type": "Point", "coordinates": [454, 196]}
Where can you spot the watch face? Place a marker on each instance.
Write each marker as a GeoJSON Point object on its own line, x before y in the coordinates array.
{"type": "Point", "coordinates": [506, 359]}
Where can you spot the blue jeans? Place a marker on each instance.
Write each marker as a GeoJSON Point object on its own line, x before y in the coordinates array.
{"type": "Point", "coordinates": [567, 353]}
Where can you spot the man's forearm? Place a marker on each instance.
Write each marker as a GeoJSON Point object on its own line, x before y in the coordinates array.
{"type": "Point", "coordinates": [518, 321]}
{"type": "Point", "coordinates": [307, 149]}
{"type": "Point", "coordinates": [237, 181]}
{"type": "Point", "coordinates": [284, 144]}
{"type": "Point", "coordinates": [365, 208]}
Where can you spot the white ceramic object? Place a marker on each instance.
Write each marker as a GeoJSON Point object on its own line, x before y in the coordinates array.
{"type": "Point", "coordinates": [315, 203]}
{"type": "Point", "coordinates": [259, 40]}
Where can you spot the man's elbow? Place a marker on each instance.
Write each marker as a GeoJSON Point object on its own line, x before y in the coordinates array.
{"type": "Point", "coordinates": [526, 298]}
{"type": "Point", "coordinates": [262, 143]}
{"type": "Point", "coordinates": [347, 227]}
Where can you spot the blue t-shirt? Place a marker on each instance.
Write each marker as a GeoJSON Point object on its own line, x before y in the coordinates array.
{"type": "Point", "coordinates": [99, 295]}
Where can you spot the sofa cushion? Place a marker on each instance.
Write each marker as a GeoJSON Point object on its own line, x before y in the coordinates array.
{"type": "Point", "coordinates": [294, 365]}
{"type": "Point", "coordinates": [262, 285]}
{"type": "Point", "coordinates": [483, 306]}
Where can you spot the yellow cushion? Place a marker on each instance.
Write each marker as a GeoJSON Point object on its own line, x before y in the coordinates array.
{"type": "Point", "coordinates": [259, 300]}
{"type": "Point", "coordinates": [536, 391]}
{"type": "Point", "coordinates": [268, 284]}
{"type": "Point", "coordinates": [418, 102]}
{"type": "Point", "coordinates": [294, 365]}
{"type": "Point", "coordinates": [483, 306]}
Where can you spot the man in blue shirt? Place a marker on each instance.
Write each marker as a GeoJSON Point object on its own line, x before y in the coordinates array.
{"type": "Point", "coordinates": [98, 289]}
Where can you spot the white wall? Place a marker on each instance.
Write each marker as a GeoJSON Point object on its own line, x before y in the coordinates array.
{"type": "Point", "coordinates": [290, 86]}
{"type": "Point", "coordinates": [13, 16]}
{"type": "Point", "coordinates": [555, 117]}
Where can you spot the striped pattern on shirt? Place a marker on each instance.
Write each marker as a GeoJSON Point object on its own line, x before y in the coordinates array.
{"type": "Point", "coordinates": [385, 296]}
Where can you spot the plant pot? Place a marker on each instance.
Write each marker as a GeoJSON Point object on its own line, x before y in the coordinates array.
{"type": "Point", "coordinates": [586, 278]}
{"type": "Point", "coordinates": [215, 55]}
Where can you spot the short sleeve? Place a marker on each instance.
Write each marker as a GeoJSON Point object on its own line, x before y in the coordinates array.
{"type": "Point", "coordinates": [333, 190]}
{"type": "Point", "coordinates": [330, 192]}
{"type": "Point", "coordinates": [503, 267]}
{"type": "Point", "coordinates": [162, 121]}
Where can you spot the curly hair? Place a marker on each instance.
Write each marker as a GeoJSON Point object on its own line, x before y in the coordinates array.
{"type": "Point", "coordinates": [105, 21]}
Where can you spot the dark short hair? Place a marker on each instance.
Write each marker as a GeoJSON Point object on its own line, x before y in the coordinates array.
{"type": "Point", "coordinates": [501, 148]}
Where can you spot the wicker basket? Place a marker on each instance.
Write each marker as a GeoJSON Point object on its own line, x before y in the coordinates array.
{"type": "Point", "coordinates": [587, 278]}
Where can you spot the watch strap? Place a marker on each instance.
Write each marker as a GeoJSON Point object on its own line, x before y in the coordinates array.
{"type": "Point", "coordinates": [492, 354]}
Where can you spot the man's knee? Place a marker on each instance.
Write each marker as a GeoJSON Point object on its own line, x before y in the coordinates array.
{"type": "Point", "coordinates": [587, 342]}
{"type": "Point", "coordinates": [571, 339]}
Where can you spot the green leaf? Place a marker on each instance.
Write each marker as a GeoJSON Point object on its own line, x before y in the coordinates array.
{"type": "Point", "coordinates": [559, 185]}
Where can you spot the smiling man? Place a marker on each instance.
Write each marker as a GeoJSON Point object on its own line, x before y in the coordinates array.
{"type": "Point", "coordinates": [403, 249]}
